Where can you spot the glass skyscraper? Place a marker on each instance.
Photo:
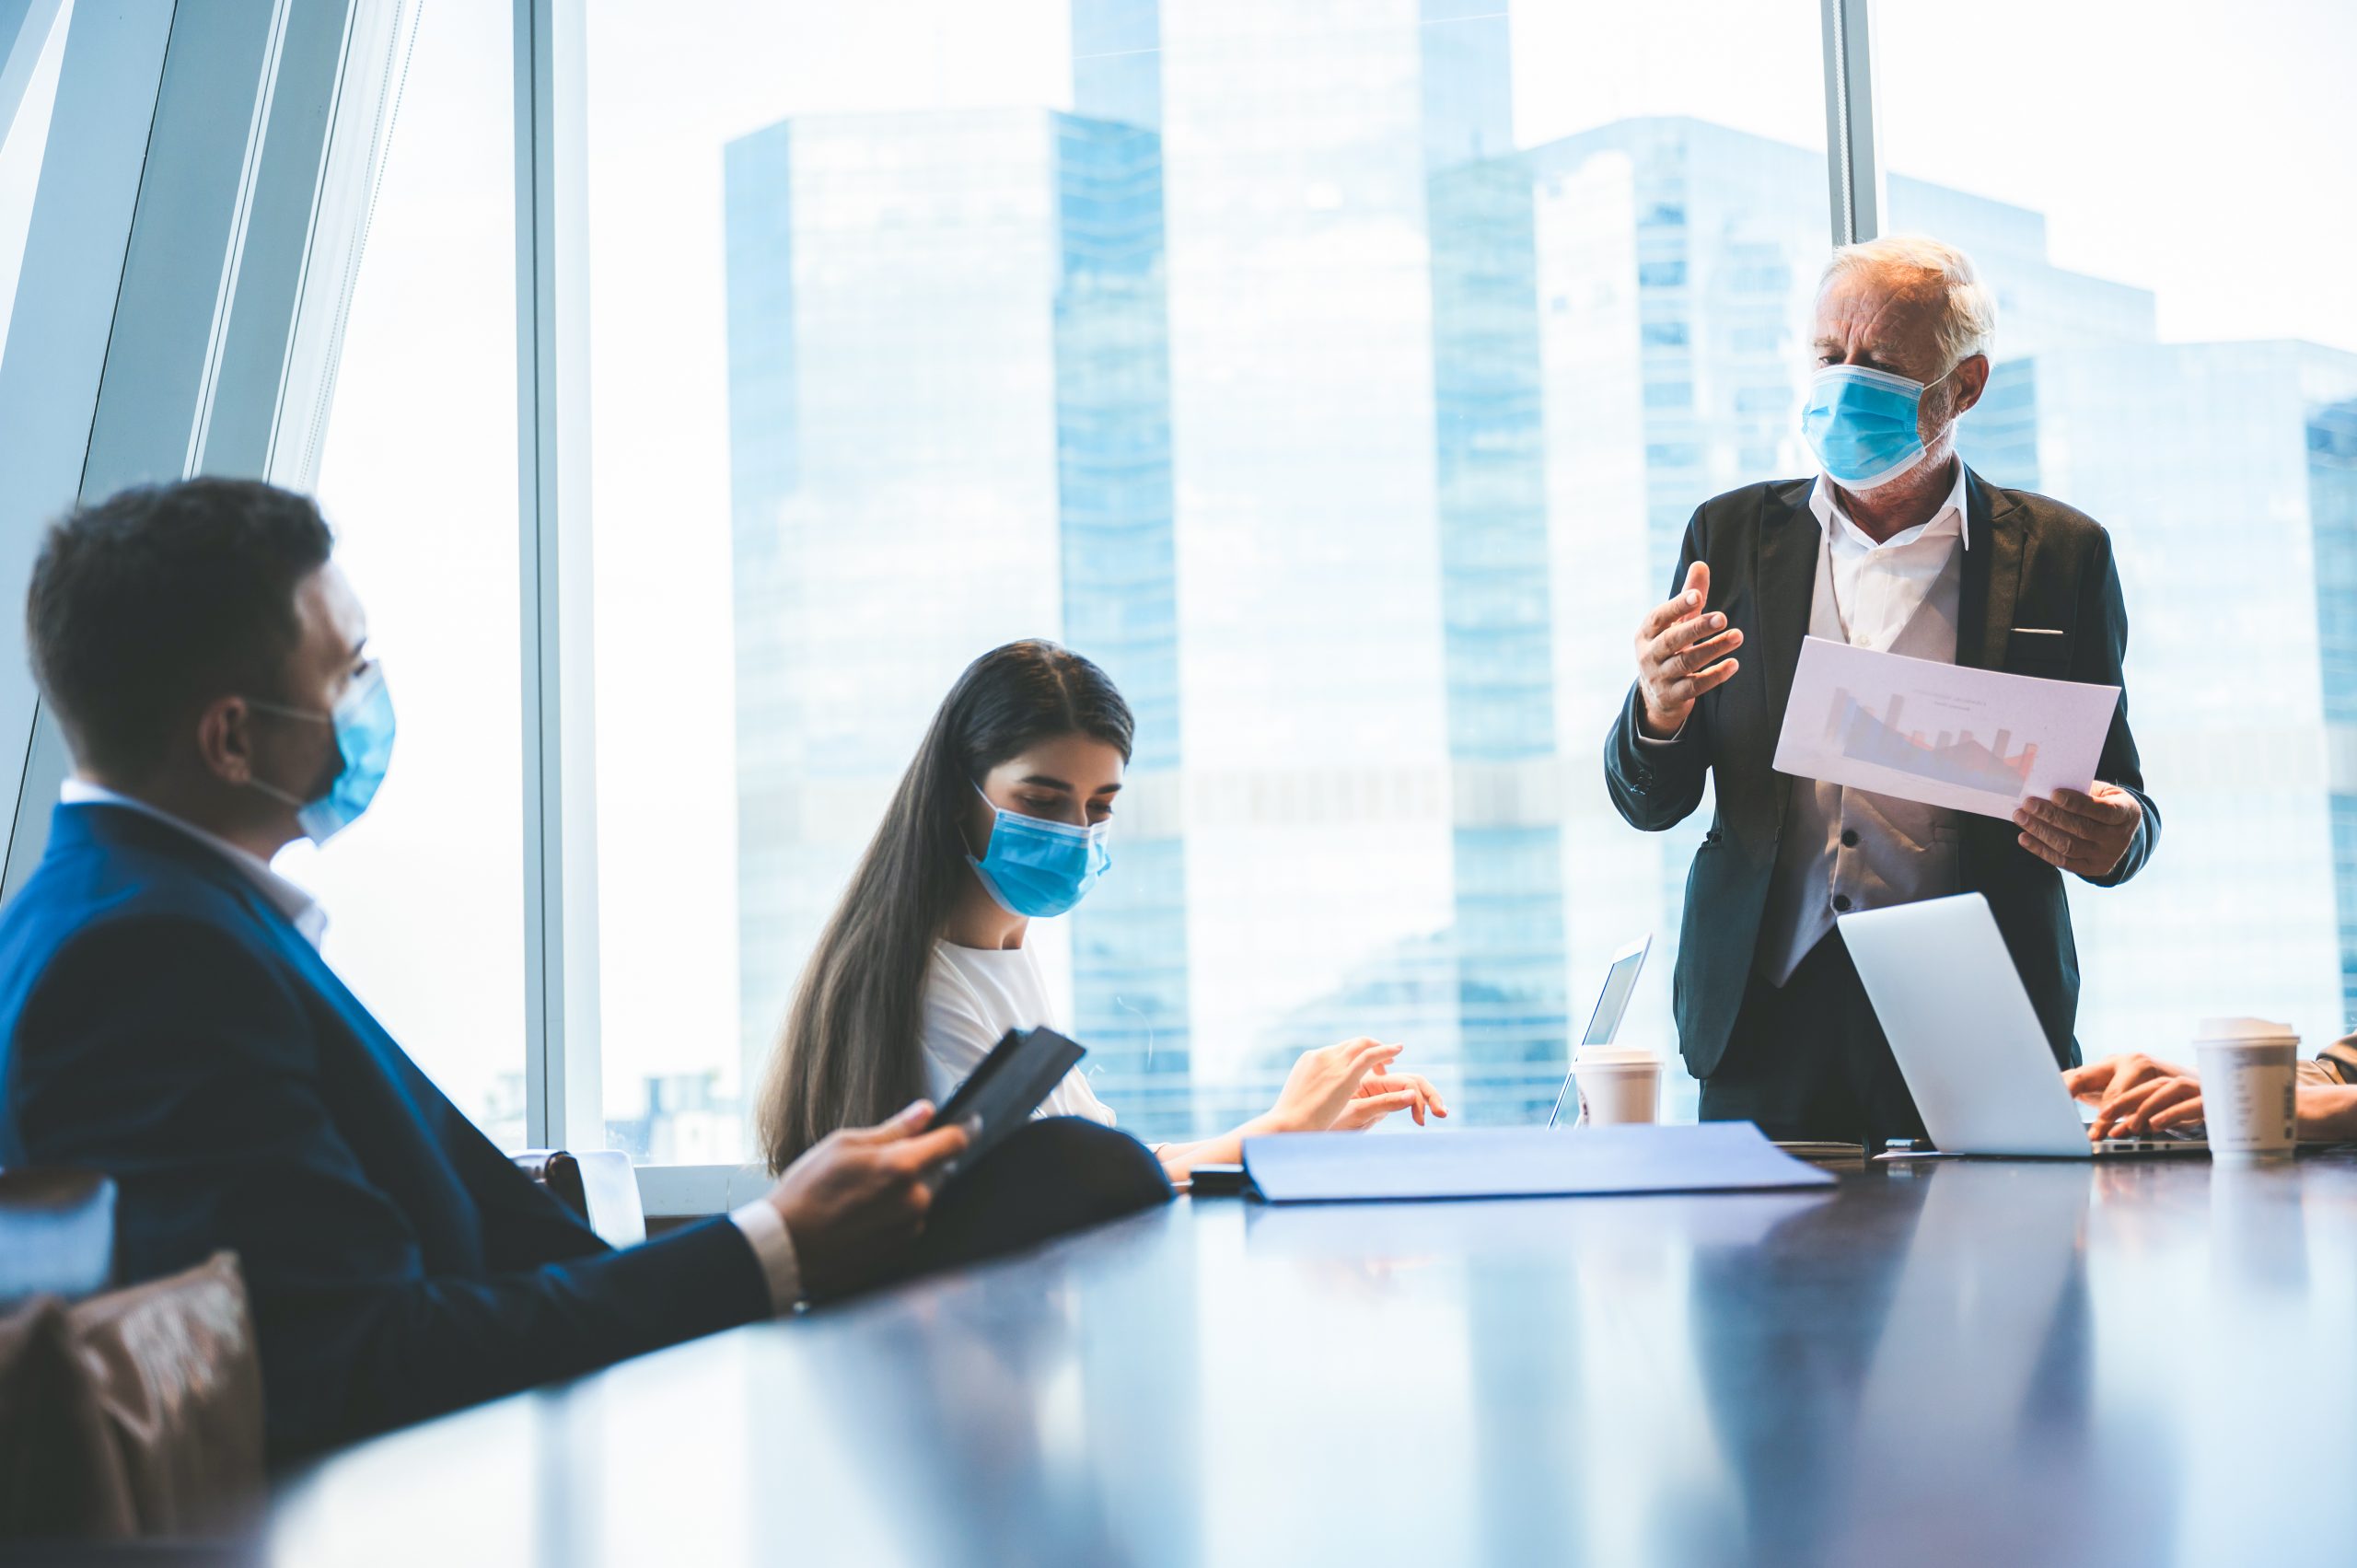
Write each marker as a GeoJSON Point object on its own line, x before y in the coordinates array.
{"type": "Point", "coordinates": [1364, 632]}
{"type": "Point", "coordinates": [2332, 503]}
{"type": "Point", "coordinates": [948, 395]}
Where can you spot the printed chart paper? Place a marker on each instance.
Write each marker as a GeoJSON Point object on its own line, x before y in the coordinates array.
{"type": "Point", "coordinates": [1969, 739]}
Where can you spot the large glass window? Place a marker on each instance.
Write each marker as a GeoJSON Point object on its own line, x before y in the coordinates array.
{"type": "Point", "coordinates": [2178, 356]}
{"type": "Point", "coordinates": [1340, 376]}
{"type": "Point", "coordinates": [417, 473]}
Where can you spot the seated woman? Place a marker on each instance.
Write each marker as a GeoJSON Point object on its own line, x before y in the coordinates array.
{"type": "Point", "coordinates": [2134, 1095]}
{"type": "Point", "coordinates": [1003, 818]}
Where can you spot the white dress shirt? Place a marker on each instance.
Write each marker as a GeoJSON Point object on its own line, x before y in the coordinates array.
{"type": "Point", "coordinates": [1878, 588]}
{"type": "Point", "coordinates": [972, 996]}
{"type": "Point", "coordinates": [1847, 850]}
{"type": "Point", "coordinates": [759, 1221]}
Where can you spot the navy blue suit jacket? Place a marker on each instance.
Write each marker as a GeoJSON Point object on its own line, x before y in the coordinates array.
{"type": "Point", "coordinates": [161, 1021]}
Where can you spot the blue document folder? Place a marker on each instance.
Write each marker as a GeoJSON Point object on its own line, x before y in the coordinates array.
{"type": "Point", "coordinates": [1520, 1162]}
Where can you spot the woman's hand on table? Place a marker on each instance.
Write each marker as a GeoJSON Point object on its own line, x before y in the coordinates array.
{"type": "Point", "coordinates": [1325, 1085]}
{"type": "Point", "coordinates": [1384, 1094]}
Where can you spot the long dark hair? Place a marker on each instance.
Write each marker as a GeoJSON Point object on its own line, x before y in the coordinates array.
{"type": "Point", "coordinates": [852, 1053]}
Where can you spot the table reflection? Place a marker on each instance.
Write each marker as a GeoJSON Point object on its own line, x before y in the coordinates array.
{"type": "Point", "coordinates": [1980, 1388]}
{"type": "Point", "coordinates": [1581, 1406]}
{"type": "Point", "coordinates": [1063, 1420]}
{"type": "Point", "coordinates": [1945, 1362]}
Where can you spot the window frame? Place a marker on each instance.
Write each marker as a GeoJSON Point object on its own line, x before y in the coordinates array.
{"type": "Point", "coordinates": [180, 304]}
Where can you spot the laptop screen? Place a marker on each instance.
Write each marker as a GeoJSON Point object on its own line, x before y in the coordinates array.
{"type": "Point", "coordinates": [1606, 1021]}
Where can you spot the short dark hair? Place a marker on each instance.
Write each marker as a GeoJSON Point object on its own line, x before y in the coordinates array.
{"type": "Point", "coordinates": [161, 598]}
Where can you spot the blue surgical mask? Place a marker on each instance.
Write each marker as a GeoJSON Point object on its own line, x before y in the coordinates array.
{"type": "Point", "coordinates": [363, 737]}
{"type": "Point", "coordinates": [1863, 424]}
{"type": "Point", "coordinates": [1038, 869]}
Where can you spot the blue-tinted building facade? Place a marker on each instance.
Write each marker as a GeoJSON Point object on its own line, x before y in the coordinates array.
{"type": "Point", "coordinates": [1120, 601]}
{"type": "Point", "coordinates": [2332, 502]}
{"type": "Point", "coordinates": [1362, 428]}
{"type": "Point", "coordinates": [1498, 635]}
{"type": "Point", "coordinates": [949, 412]}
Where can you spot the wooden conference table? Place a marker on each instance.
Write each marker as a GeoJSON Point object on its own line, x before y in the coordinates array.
{"type": "Point", "coordinates": [2146, 1362]}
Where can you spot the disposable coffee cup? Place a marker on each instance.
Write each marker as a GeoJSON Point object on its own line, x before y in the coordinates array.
{"type": "Point", "coordinates": [2248, 1068]}
{"type": "Point", "coordinates": [1617, 1086]}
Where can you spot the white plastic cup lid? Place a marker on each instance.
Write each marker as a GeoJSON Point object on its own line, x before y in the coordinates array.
{"type": "Point", "coordinates": [1613, 1055]}
{"type": "Point", "coordinates": [2244, 1031]}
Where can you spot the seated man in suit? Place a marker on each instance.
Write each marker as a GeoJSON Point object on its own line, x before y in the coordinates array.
{"type": "Point", "coordinates": [165, 1017]}
{"type": "Point", "coordinates": [1895, 545]}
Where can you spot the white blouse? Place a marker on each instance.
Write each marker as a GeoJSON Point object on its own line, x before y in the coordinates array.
{"type": "Point", "coordinates": [972, 996]}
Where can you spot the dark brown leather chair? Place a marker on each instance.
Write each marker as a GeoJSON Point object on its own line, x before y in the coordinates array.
{"type": "Point", "coordinates": [135, 1413]}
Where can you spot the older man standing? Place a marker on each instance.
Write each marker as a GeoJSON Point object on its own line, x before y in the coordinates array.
{"type": "Point", "coordinates": [1895, 545]}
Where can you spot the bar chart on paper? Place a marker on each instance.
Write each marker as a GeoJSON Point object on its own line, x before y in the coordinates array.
{"type": "Point", "coordinates": [1968, 739]}
{"type": "Point", "coordinates": [1958, 758]}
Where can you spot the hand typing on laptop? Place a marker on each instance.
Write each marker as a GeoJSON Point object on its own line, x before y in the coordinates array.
{"type": "Point", "coordinates": [2135, 1095]}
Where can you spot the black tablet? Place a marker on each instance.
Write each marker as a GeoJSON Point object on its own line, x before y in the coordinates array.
{"type": "Point", "coordinates": [1021, 1071]}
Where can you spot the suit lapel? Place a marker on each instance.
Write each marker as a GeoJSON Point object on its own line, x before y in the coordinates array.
{"type": "Point", "coordinates": [473, 1166]}
{"type": "Point", "coordinates": [1786, 574]}
{"type": "Point", "coordinates": [1992, 578]}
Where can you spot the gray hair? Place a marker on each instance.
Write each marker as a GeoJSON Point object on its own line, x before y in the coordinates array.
{"type": "Point", "coordinates": [1968, 313]}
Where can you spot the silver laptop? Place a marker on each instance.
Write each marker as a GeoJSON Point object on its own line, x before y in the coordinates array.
{"type": "Point", "coordinates": [1966, 1036]}
{"type": "Point", "coordinates": [1619, 980]}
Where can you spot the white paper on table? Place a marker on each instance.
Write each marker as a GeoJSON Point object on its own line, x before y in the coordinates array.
{"type": "Point", "coordinates": [1969, 739]}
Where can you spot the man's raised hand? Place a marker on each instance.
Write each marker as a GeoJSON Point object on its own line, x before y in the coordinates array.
{"type": "Point", "coordinates": [1682, 653]}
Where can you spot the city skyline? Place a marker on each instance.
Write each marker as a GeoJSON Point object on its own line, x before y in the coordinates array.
{"type": "Point", "coordinates": [1484, 981]}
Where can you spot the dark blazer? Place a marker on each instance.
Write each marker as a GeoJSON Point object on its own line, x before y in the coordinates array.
{"type": "Point", "coordinates": [2033, 563]}
{"type": "Point", "coordinates": [161, 1021]}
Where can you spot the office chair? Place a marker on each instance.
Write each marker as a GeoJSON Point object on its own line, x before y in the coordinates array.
{"type": "Point", "coordinates": [599, 1186]}
{"type": "Point", "coordinates": [135, 1413]}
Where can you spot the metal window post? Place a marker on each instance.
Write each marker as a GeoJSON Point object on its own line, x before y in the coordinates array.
{"type": "Point", "coordinates": [563, 1086]}
{"type": "Point", "coordinates": [201, 206]}
{"type": "Point", "coordinates": [1853, 135]}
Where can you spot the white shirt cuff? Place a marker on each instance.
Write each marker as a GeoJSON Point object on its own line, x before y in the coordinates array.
{"type": "Point", "coordinates": [773, 1244]}
{"type": "Point", "coordinates": [1669, 739]}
